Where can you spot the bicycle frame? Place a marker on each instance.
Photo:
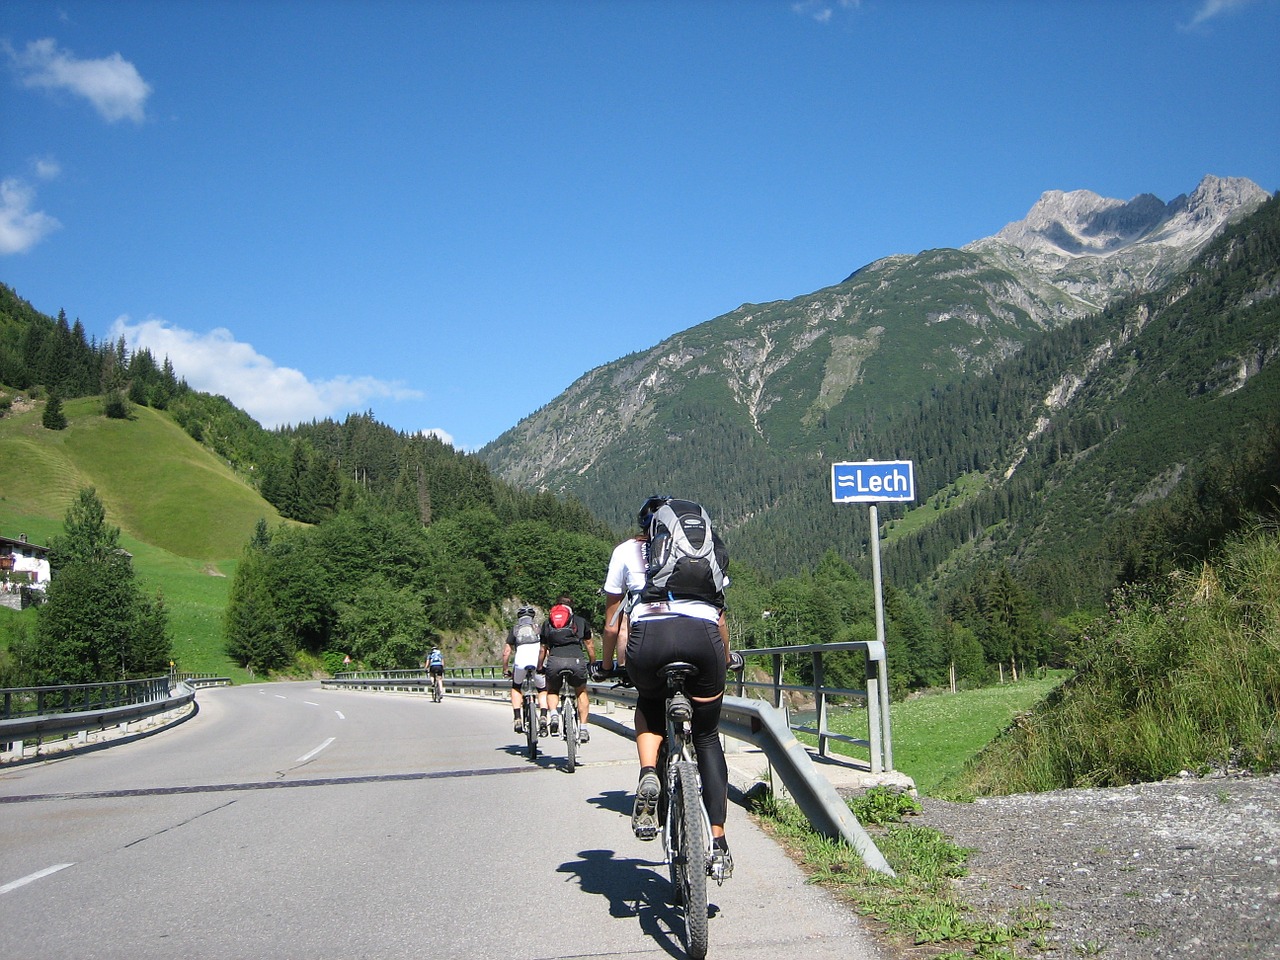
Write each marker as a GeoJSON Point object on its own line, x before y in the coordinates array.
{"type": "Point", "coordinates": [569, 717]}
{"type": "Point", "coordinates": [529, 691]}
{"type": "Point", "coordinates": [679, 748]}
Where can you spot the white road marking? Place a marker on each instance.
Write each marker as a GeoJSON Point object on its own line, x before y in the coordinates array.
{"type": "Point", "coordinates": [280, 696]}
{"type": "Point", "coordinates": [339, 713]}
{"type": "Point", "coordinates": [33, 877]}
{"type": "Point", "coordinates": [307, 756]}
{"type": "Point", "coordinates": [311, 703]}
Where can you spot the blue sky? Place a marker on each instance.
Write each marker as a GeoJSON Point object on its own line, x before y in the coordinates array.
{"type": "Point", "coordinates": [446, 212]}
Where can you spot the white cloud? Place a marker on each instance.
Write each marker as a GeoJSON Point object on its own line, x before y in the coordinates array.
{"type": "Point", "coordinates": [441, 435]}
{"type": "Point", "coordinates": [112, 84]}
{"type": "Point", "coordinates": [21, 228]}
{"type": "Point", "coordinates": [822, 10]}
{"type": "Point", "coordinates": [1213, 8]}
{"type": "Point", "coordinates": [47, 168]}
{"type": "Point", "coordinates": [217, 363]}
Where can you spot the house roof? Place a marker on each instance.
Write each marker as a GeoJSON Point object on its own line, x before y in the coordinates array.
{"type": "Point", "coordinates": [8, 543]}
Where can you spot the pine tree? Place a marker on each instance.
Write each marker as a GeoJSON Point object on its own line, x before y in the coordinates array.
{"type": "Point", "coordinates": [53, 418]}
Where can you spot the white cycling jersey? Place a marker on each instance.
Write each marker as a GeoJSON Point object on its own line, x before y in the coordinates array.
{"type": "Point", "coordinates": [627, 572]}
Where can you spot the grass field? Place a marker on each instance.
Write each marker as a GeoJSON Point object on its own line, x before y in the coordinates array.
{"type": "Point", "coordinates": [183, 514]}
{"type": "Point", "coordinates": [935, 734]}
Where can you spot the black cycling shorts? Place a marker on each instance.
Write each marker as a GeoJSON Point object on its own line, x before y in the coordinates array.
{"type": "Point", "coordinates": [652, 644]}
{"type": "Point", "coordinates": [553, 665]}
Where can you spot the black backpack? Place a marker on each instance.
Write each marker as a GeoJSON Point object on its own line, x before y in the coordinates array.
{"type": "Point", "coordinates": [561, 630]}
{"type": "Point", "coordinates": [686, 559]}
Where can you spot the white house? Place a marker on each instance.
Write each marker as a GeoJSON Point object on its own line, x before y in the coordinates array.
{"type": "Point", "coordinates": [22, 564]}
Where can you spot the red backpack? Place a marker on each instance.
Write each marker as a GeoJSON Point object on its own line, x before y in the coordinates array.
{"type": "Point", "coordinates": [563, 629]}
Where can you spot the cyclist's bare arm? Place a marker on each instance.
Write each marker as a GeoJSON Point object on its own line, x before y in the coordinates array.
{"type": "Point", "coordinates": [609, 636]}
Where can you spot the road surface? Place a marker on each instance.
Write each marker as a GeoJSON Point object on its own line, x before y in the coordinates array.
{"type": "Point", "coordinates": [288, 821]}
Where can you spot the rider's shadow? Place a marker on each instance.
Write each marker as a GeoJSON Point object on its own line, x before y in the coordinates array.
{"type": "Point", "coordinates": [617, 801]}
{"type": "Point", "coordinates": [634, 888]}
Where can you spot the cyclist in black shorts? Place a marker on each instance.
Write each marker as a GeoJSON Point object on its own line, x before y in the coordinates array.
{"type": "Point", "coordinates": [564, 636]}
{"type": "Point", "coordinates": [653, 635]}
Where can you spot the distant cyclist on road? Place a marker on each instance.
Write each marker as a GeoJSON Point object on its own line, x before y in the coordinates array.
{"type": "Point", "coordinates": [435, 666]}
{"type": "Point", "coordinates": [662, 629]}
{"type": "Point", "coordinates": [523, 650]}
{"type": "Point", "coordinates": [564, 636]}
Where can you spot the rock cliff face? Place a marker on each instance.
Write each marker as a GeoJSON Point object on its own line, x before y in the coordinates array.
{"type": "Point", "coordinates": [1094, 248]}
{"type": "Point", "coordinates": [772, 377]}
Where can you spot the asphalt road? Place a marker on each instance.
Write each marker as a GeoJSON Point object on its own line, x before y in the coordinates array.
{"type": "Point", "coordinates": [287, 821]}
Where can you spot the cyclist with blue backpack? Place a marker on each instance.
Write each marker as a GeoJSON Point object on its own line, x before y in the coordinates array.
{"type": "Point", "coordinates": [665, 589]}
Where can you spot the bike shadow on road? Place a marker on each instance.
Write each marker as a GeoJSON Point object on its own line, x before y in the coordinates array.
{"type": "Point", "coordinates": [547, 761]}
{"type": "Point", "coordinates": [634, 888]}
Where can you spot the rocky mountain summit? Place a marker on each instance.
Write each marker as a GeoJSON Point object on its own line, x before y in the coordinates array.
{"type": "Point", "coordinates": [1096, 248]}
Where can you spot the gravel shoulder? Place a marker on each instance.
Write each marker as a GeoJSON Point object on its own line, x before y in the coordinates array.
{"type": "Point", "coordinates": [1182, 868]}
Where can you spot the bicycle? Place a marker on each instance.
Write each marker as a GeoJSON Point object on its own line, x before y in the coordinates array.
{"type": "Point", "coordinates": [437, 687]}
{"type": "Point", "coordinates": [529, 710]}
{"type": "Point", "coordinates": [569, 717]}
{"type": "Point", "coordinates": [686, 828]}
{"type": "Point", "coordinates": [682, 816]}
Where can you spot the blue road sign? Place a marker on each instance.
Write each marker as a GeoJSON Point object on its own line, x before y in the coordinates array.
{"type": "Point", "coordinates": [876, 481]}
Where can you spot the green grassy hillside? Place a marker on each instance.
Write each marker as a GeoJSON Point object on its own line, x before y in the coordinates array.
{"type": "Point", "coordinates": [182, 513]}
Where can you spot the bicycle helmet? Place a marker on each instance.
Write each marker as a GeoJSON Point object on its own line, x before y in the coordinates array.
{"type": "Point", "coordinates": [525, 612]}
{"type": "Point", "coordinates": [649, 508]}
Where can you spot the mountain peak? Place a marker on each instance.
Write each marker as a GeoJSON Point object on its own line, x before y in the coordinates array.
{"type": "Point", "coordinates": [1066, 225]}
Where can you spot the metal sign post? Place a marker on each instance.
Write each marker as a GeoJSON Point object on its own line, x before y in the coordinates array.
{"type": "Point", "coordinates": [873, 482]}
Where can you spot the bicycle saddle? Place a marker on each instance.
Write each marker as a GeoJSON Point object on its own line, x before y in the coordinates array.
{"type": "Point", "coordinates": [679, 669]}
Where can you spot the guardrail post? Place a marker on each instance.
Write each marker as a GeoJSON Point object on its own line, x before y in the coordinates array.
{"type": "Point", "coordinates": [873, 711]}
{"type": "Point", "coordinates": [819, 702]}
{"type": "Point", "coordinates": [777, 680]}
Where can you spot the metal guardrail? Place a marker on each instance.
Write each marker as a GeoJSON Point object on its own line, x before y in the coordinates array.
{"type": "Point", "coordinates": [751, 720]}
{"type": "Point", "coordinates": [42, 712]}
{"type": "Point", "coordinates": [879, 739]}
{"type": "Point", "coordinates": [199, 680]}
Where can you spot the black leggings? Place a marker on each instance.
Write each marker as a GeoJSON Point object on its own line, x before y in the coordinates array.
{"type": "Point", "coordinates": [712, 766]}
{"type": "Point", "coordinates": [655, 643]}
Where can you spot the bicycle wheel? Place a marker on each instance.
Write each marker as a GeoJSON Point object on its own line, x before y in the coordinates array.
{"type": "Point", "coordinates": [688, 867]}
{"type": "Point", "coordinates": [531, 726]}
{"type": "Point", "coordinates": [569, 726]}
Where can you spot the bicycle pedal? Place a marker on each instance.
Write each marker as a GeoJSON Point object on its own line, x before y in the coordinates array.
{"type": "Point", "coordinates": [720, 866]}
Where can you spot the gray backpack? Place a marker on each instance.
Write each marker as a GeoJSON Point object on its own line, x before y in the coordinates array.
{"type": "Point", "coordinates": [686, 560]}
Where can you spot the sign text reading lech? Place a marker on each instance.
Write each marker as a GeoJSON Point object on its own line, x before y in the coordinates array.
{"type": "Point", "coordinates": [875, 481]}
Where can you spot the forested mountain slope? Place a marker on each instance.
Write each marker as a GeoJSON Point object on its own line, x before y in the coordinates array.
{"type": "Point", "coordinates": [949, 358]}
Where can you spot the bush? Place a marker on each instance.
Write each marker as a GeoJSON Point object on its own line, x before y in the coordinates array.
{"type": "Point", "coordinates": [1186, 677]}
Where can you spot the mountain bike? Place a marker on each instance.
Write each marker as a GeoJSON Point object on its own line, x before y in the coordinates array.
{"type": "Point", "coordinates": [682, 816]}
{"type": "Point", "coordinates": [686, 828]}
{"type": "Point", "coordinates": [529, 710]}
{"type": "Point", "coordinates": [569, 717]}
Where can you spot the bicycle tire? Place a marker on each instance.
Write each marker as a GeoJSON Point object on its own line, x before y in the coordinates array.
{"type": "Point", "coordinates": [663, 796]}
{"type": "Point", "coordinates": [689, 860]}
{"type": "Point", "coordinates": [531, 726]}
{"type": "Point", "coordinates": [569, 728]}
